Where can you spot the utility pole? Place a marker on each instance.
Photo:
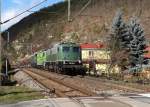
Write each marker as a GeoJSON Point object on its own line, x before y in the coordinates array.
{"type": "Point", "coordinates": [1, 61]}
{"type": "Point", "coordinates": [7, 37]}
{"type": "Point", "coordinates": [6, 55]}
{"type": "Point", "coordinates": [69, 12]}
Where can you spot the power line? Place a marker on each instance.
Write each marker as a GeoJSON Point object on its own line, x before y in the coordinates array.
{"type": "Point", "coordinates": [62, 20]}
{"type": "Point", "coordinates": [78, 14]}
{"type": "Point", "coordinates": [45, 12]}
{"type": "Point", "coordinates": [29, 10]}
{"type": "Point", "coordinates": [42, 12]}
{"type": "Point", "coordinates": [23, 12]}
{"type": "Point", "coordinates": [82, 9]}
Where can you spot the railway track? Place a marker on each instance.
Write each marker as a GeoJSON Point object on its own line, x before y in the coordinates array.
{"type": "Point", "coordinates": [106, 83]}
{"type": "Point", "coordinates": [60, 88]}
{"type": "Point", "coordinates": [96, 86]}
{"type": "Point", "coordinates": [117, 86]}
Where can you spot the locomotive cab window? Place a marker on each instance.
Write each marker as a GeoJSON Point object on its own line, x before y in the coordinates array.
{"type": "Point", "coordinates": [43, 54]}
{"type": "Point", "coordinates": [66, 49]}
{"type": "Point", "coordinates": [58, 49]}
{"type": "Point", "coordinates": [76, 49]}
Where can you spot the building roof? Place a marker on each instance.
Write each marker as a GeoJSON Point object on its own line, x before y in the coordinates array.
{"type": "Point", "coordinates": [147, 55]}
{"type": "Point", "coordinates": [92, 46]}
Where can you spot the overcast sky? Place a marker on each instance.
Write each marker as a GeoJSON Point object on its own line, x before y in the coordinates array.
{"type": "Point", "coordinates": [10, 8]}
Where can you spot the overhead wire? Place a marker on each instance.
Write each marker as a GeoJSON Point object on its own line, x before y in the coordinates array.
{"type": "Point", "coordinates": [62, 20]}
{"type": "Point", "coordinates": [82, 9]}
{"type": "Point", "coordinates": [42, 12]}
{"type": "Point", "coordinates": [29, 10]}
{"type": "Point", "coordinates": [78, 14]}
{"type": "Point", "coordinates": [23, 12]}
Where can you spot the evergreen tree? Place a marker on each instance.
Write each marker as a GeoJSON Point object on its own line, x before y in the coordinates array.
{"type": "Point", "coordinates": [127, 43]}
{"type": "Point", "coordinates": [116, 31]}
{"type": "Point", "coordinates": [120, 32]}
{"type": "Point", "coordinates": [137, 44]}
{"type": "Point", "coordinates": [119, 40]}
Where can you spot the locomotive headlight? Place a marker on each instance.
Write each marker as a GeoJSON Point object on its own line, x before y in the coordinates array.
{"type": "Point", "coordinates": [79, 61]}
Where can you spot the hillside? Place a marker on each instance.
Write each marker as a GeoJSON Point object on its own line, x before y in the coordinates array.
{"type": "Point", "coordinates": [93, 23]}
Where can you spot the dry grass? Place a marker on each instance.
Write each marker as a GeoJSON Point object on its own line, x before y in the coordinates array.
{"type": "Point", "coordinates": [13, 94]}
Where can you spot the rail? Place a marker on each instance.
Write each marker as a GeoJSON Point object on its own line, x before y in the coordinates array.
{"type": "Point", "coordinates": [45, 79]}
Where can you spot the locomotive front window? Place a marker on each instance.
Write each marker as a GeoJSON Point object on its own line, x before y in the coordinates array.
{"type": "Point", "coordinates": [66, 49]}
{"type": "Point", "coordinates": [76, 49]}
{"type": "Point", "coordinates": [43, 54]}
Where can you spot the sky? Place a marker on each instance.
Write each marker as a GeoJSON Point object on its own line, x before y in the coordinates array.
{"type": "Point", "coordinates": [11, 8]}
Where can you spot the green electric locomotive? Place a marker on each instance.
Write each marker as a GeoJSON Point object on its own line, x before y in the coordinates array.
{"type": "Point", "coordinates": [65, 58]}
{"type": "Point", "coordinates": [38, 59]}
{"type": "Point", "coordinates": [62, 58]}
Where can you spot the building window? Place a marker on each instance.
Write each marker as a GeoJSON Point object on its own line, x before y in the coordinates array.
{"type": "Point", "coordinates": [91, 53]}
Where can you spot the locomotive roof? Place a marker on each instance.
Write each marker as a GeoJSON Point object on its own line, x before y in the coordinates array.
{"type": "Point", "coordinates": [64, 43]}
{"type": "Point", "coordinates": [67, 43]}
{"type": "Point", "coordinates": [55, 45]}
